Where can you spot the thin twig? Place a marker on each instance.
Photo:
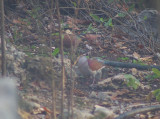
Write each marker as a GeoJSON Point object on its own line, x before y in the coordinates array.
{"type": "Point", "coordinates": [62, 62]}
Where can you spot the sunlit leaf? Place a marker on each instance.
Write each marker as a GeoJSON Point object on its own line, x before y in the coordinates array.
{"type": "Point", "coordinates": [55, 52]}
{"type": "Point", "coordinates": [109, 23]}
{"type": "Point", "coordinates": [74, 3]}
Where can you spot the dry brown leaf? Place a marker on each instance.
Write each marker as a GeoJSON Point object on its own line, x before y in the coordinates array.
{"type": "Point", "coordinates": [119, 45]}
{"type": "Point", "coordinates": [77, 21]}
{"type": "Point", "coordinates": [23, 114]}
{"type": "Point", "coordinates": [43, 85]}
{"type": "Point", "coordinates": [72, 25]}
{"type": "Point", "coordinates": [108, 80]}
{"type": "Point", "coordinates": [119, 93]}
{"type": "Point", "coordinates": [134, 71]}
{"type": "Point", "coordinates": [19, 22]}
{"type": "Point", "coordinates": [93, 38]}
{"type": "Point", "coordinates": [147, 59]}
{"type": "Point", "coordinates": [123, 47]}
{"type": "Point", "coordinates": [156, 117]}
{"type": "Point", "coordinates": [136, 55]}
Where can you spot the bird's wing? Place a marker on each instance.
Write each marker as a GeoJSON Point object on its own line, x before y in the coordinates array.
{"type": "Point", "coordinates": [94, 64]}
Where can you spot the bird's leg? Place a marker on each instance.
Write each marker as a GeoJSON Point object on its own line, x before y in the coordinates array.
{"type": "Point", "coordinates": [94, 79]}
{"type": "Point", "coordinates": [99, 76]}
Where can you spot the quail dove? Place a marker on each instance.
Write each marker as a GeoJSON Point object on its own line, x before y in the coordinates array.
{"type": "Point", "coordinates": [90, 67]}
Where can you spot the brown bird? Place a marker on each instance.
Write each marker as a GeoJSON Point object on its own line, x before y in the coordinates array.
{"type": "Point", "coordinates": [90, 67]}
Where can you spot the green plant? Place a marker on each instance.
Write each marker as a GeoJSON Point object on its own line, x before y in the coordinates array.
{"type": "Point", "coordinates": [103, 56]}
{"type": "Point", "coordinates": [131, 8]}
{"type": "Point", "coordinates": [55, 34]}
{"type": "Point", "coordinates": [74, 4]}
{"type": "Point", "coordinates": [156, 72]}
{"type": "Point", "coordinates": [17, 35]}
{"type": "Point", "coordinates": [156, 93]}
{"type": "Point", "coordinates": [121, 14]}
{"type": "Point", "coordinates": [29, 54]}
{"type": "Point", "coordinates": [123, 58]}
{"type": "Point", "coordinates": [108, 23]}
{"type": "Point", "coordinates": [90, 29]}
{"type": "Point", "coordinates": [26, 21]}
{"type": "Point", "coordinates": [138, 62]}
{"type": "Point", "coordinates": [33, 47]}
{"type": "Point", "coordinates": [131, 81]}
{"type": "Point", "coordinates": [155, 75]}
{"type": "Point", "coordinates": [66, 53]}
{"type": "Point", "coordinates": [98, 19]}
{"type": "Point", "coordinates": [36, 18]}
{"type": "Point", "coordinates": [34, 12]}
{"type": "Point", "coordinates": [55, 52]}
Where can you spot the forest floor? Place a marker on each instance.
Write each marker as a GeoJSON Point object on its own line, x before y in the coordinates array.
{"type": "Point", "coordinates": [36, 36]}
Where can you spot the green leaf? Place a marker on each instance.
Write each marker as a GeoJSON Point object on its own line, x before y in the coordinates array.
{"type": "Point", "coordinates": [121, 14]}
{"type": "Point", "coordinates": [87, 56]}
{"type": "Point", "coordinates": [138, 62]}
{"type": "Point", "coordinates": [55, 34]}
{"type": "Point", "coordinates": [123, 58]}
{"type": "Point", "coordinates": [103, 56]}
{"type": "Point", "coordinates": [156, 93]}
{"type": "Point", "coordinates": [66, 53]}
{"type": "Point", "coordinates": [156, 71]}
{"type": "Point", "coordinates": [131, 81]}
{"type": "Point", "coordinates": [33, 47]}
{"type": "Point", "coordinates": [109, 23]}
{"type": "Point", "coordinates": [145, 18]}
{"type": "Point", "coordinates": [89, 28]}
{"type": "Point", "coordinates": [95, 17]}
{"type": "Point", "coordinates": [74, 3]}
{"type": "Point", "coordinates": [131, 8]}
{"type": "Point", "coordinates": [55, 52]}
{"type": "Point", "coordinates": [101, 20]}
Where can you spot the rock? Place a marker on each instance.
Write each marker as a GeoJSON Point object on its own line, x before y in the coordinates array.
{"type": "Point", "coordinates": [67, 63]}
{"type": "Point", "coordinates": [40, 68]}
{"type": "Point", "coordinates": [79, 114]}
{"type": "Point", "coordinates": [103, 113]}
